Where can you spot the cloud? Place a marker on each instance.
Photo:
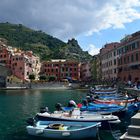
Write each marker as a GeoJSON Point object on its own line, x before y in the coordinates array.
{"type": "Point", "coordinates": [70, 18]}
{"type": "Point", "coordinates": [92, 50]}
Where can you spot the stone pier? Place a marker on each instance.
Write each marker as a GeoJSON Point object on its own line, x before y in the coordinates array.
{"type": "Point", "coordinates": [133, 132]}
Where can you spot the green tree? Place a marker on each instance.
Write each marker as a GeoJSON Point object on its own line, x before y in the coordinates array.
{"type": "Point", "coordinates": [32, 77]}
{"type": "Point", "coordinates": [52, 78]}
{"type": "Point", "coordinates": [43, 77]}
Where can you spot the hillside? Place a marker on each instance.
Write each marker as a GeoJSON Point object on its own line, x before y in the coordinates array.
{"type": "Point", "coordinates": [45, 46]}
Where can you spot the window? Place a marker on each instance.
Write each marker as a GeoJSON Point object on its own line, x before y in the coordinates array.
{"type": "Point", "coordinates": [132, 58]}
{"type": "Point", "coordinates": [137, 44]}
{"type": "Point", "coordinates": [63, 69]}
{"type": "Point", "coordinates": [128, 59]}
{"type": "Point", "coordinates": [114, 70]}
{"type": "Point", "coordinates": [133, 46]}
{"type": "Point", "coordinates": [124, 60]}
{"type": "Point", "coordinates": [137, 56]}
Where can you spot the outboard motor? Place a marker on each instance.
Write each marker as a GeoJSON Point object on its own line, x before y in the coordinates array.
{"type": "Point", "coordinates": [58, 106]}
{"type": "Point", "coordinates": [31, 121]}
{"type": "Point", "coordinates": [96, 97]}
{"type": "Point", "coordinates": [85, 102]}
{"type": "Point", "coordinates": [44, 109]}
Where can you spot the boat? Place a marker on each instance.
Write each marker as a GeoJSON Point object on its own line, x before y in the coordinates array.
{"type": "Point", "coordinates": [77, 116]}
{"type": "Point", "coordinates": [63, 129]}
{"type": "Point", "coordinates": [102, 107]}
{"type": "Point", "coordinates": [116, 101]}
{"type": "Point", "coordinates": [103, 89]}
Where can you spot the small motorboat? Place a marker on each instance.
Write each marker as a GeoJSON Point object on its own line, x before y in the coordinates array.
{"type": "Point", "coordinates": [102, 107]}
{"type": "Point", "coordinates": [77, 116]}
{"type": "Point", "coordinates": [63, 129]}
{"type": "Point", "coordinates": [102, 90]}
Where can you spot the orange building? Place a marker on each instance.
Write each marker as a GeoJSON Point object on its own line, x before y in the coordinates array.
{"type": "Point", "coordinates": [61, 69]}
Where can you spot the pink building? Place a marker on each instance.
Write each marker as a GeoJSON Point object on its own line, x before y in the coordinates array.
{"type": "Point", "coordinates": [21, 63]}
{"type": "Point", "coordinates": [25, 63]}
{"type": "Point", "coordinates": [5, 54]}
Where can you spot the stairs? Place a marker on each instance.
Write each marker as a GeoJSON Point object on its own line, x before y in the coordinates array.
{"type": "Point", "coordinates": [116, 134]}
{"type": "Point", "coordinates": [133, 132]}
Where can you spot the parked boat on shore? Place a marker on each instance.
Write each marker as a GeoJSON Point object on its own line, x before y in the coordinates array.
{"type": "Point", "coordinates": [63, 129]}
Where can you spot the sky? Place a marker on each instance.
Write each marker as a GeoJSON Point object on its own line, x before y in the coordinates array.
{"type": "Point", "coordinates": [92, 22]}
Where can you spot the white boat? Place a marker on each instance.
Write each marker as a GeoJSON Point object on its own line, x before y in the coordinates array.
{"type": "Point", "coordinates": [77, 116]}
{"type": "Point", "coordinates": [63, 129]}
{"type": "Point", "coordinates": [102, 89]}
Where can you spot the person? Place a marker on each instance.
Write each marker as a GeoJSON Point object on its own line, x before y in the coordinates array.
{"type": "Point", "coordinates": [129, 83]}
{"type": "Point", "coordinates": [79, 105]}
{"type": "Point", "coordinates": [72, 103]}
{"type": "Point", "coordinates": [126, 94]}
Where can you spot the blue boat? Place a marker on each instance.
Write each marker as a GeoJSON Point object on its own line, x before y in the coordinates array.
{"type": "Point", "coordinates": [63, 129]}
{"type": "Point", "coordinates": [105, 109]}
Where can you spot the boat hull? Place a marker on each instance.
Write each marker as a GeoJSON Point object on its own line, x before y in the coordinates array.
{"type": "Point", "coordinates": [105, 120]}
{"type": "Point", "coordinates": [77, 133]}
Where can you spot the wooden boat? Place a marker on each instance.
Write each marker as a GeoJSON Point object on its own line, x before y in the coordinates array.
{"type": "Point", "coordinates": [77, 116]}
{"type": "Point", "coordinates": [102, 89]}
{"type": "Point", "coordinates": [102, 107]}
{"type": "Point", "coordinates": [114, 101]}
{"type": "Point", "coordinates": [64, 129]}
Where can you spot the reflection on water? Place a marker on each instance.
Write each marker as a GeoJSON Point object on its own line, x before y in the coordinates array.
{"type": "Point", "coordinates": [18, 105]}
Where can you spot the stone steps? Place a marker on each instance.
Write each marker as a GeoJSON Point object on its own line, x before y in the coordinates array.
{"type": "Point", "coordinates": [125, 136]}
{"type": "Point", "coordinates": [135, 120]}
{"type": "Point", "coordinates": [133, 132]}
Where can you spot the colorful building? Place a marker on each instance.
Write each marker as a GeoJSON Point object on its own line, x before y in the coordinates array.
{"type": "Point", "coordinates": [85, 71]}
{"type": "Point", "coordinates": [61, 69]}
{"type": "Point", "coordinates": [25, 63]}
{"type": "Point", "coordinates": [129, 58]}
{"type": "Point", "coordinates": [108, 56]}
{"type": "Point", "coordinates": [21, 63]}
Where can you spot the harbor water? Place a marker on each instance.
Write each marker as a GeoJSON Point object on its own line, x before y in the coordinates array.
{"type": "Point", "coordinates": [18, 105]}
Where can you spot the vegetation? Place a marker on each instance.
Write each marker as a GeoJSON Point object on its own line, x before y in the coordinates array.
{"type": "Point", "coordinates": [42, 44]}
{"type": "Point", "coordinates": [52, 78]}
{"type": "Point", "coordinates": [43, 77]}
{"type": "Point", "coordinates": [32, 77]}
